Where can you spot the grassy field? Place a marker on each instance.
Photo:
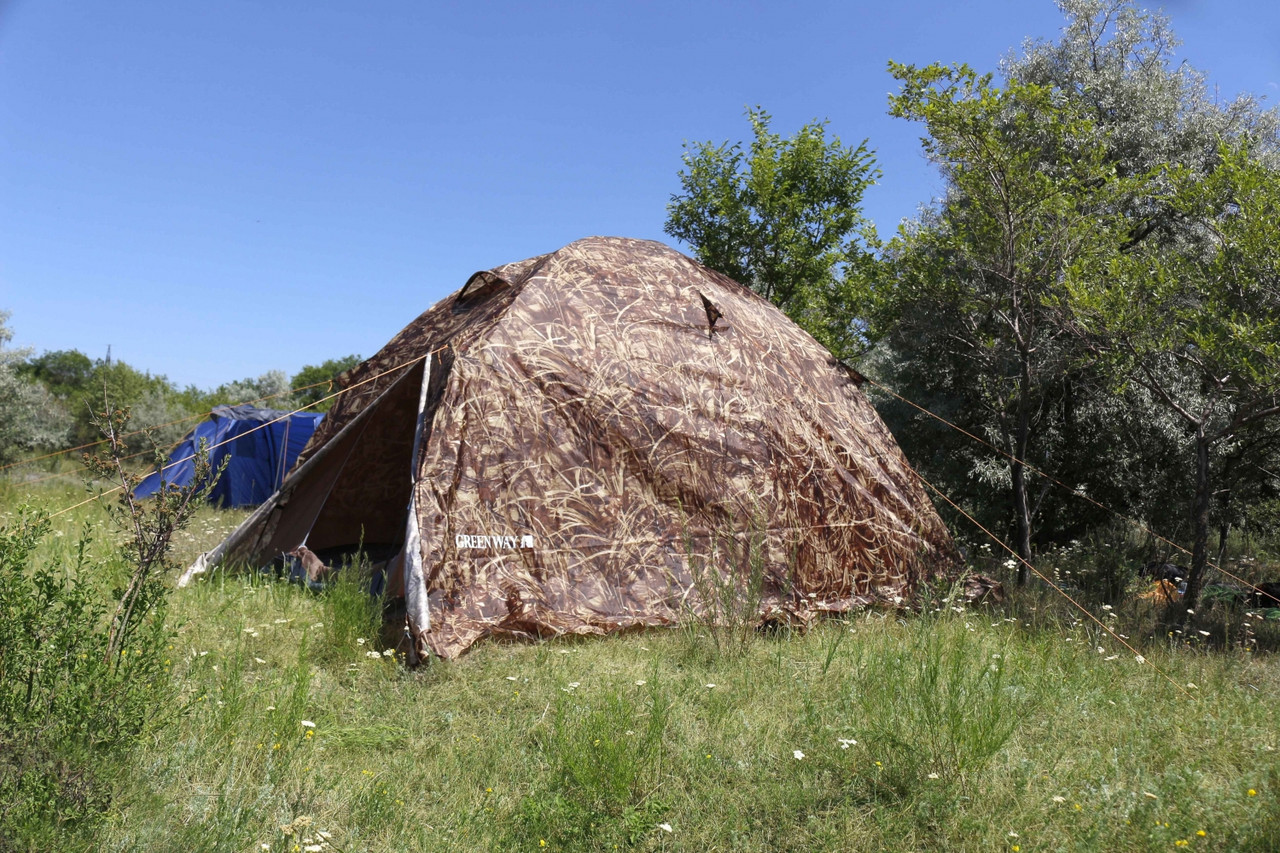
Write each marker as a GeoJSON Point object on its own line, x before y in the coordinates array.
{"type": "Point", "coordinates": [292, 727]}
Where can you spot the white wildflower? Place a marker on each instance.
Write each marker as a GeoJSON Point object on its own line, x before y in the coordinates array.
{"type": "Point", "coordinates": [798, 754]}
{"type": "Point", "coordinates": [665, 827]}
{"type": "Point", "coordinates": [306, 724]}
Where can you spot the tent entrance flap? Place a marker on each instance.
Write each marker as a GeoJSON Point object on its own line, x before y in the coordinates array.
{"type": "Point", "coordinates": [349, 495]}
{"type": "Point", "coordinates": [370, 496]}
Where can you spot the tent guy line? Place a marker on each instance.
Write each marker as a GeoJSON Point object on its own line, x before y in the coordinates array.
{"type": "Point", "coordinates": [177, 462]}
{"type": "Point", "coordinates": [1032, 467]}
{"type": "Point", "coordinates": [192, 417]}
{"type": "Point", "coordinates": [647, 271]}
{"type": "Point", "coordinates": [1104, 626]}
{"type": "Point", "coordinates": [653, 540]}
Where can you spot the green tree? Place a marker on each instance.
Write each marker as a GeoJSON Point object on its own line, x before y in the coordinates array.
{"type": "Point", "coordinates": [1134, 107]}
{"type": "Point", "coordinates": [270, 390]}
{"type": "Point", "coordinates": [30, 418]}
{"type": "Point", "coordinates": [63, 372]}
{"type": "Point", "coordinates": [1199, 328]}
{"type": "Point", "coordinates": [976, 282]}
{"type": "Point", "coordinates": [784, 217]}
{"type": "Point", "coordinates": [124, 387]}
{"type": "Point", "coordinates": [312, 374]}
{"type": "Point", "coordinates": [1115, 62]}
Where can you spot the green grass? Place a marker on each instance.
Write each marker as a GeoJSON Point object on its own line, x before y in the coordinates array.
{"type": "Point", "coordinates": [951, 730]}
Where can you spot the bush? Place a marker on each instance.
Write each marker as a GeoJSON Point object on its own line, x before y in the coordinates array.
{"type": "Point", "coordinates": [69, 710]}
{"type": "Point", "coordinates": [30, 418]}
{"type": "Point", "coordinates": [82, 672]}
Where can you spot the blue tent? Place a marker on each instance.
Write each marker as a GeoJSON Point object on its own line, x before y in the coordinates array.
{"type": "Point", "coordinates": [262, 445]}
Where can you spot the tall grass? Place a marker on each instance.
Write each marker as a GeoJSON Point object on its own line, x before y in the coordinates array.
{"type": "Point", "coordinates": [977, 729]}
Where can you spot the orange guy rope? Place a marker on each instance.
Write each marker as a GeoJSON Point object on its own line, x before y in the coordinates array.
{"type": "Point", "coordinates": [1137, 656]}
{"type": "Point", "coordinates": [196, 416]}
{"type": "Point", "coordinates": [260, 426]}
{"type": "Point", "coordinates": [1055, 481]}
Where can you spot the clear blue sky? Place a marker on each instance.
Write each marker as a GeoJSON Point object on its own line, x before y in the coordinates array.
{"type": "Point", "coordinates": [221, 189]}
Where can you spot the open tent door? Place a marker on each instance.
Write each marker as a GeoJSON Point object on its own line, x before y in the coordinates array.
{"type": "Point", "coordinates": [353, 493]}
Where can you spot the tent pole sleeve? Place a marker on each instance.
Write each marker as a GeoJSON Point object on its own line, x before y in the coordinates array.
{"type": "Point", "coordinates": [415, 582]}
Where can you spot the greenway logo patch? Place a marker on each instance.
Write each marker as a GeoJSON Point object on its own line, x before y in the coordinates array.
{"type": "Point", "coordinates": [466, 541]}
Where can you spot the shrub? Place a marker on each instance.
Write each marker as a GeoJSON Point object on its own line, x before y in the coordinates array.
{"type": "Point", "coordinates": [82, 672]}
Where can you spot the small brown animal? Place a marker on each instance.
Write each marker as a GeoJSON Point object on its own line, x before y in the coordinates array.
{"type": "Point", "coordinates": [314, 567]}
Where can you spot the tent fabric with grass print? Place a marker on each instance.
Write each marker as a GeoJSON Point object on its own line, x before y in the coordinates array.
{"type": "Point", "coordinates": [258, 445]}
{"type": "Point", "coordinates": [605, 437]}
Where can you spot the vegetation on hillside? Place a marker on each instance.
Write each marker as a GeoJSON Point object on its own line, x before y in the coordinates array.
{"type": "Point", "coordinates": [62, 389]}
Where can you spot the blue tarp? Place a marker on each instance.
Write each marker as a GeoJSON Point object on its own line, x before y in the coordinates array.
{"type": "Point", "coordinates": [259, 455]}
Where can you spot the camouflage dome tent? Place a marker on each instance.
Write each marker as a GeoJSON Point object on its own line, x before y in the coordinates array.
{"type": "Point", "coordinates": [566, 443]}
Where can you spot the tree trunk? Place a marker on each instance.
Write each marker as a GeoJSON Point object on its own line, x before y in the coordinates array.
{"type": "Point", "coordinates": [1199, 520]}
{"type": "Point", "coordinates": [1022, 511]}
{"type": "Point", "coordinates": [1018, 471]}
